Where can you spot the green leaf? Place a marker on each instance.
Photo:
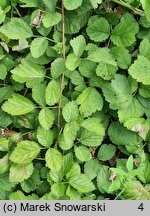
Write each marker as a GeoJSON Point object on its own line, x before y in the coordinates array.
{"type": "Point", "coordinates": [5, 93]}
{"type": "Point", "coordinates": [140, 70]}
{"type": "Point", "coordinates": [16, 29]}
{"type": "Point", "coordinates": [118, 93]}
{"type": "Point", "coordinates": [58, 189]}
{"type": "Point", "coordinates": [68, 162]}
{"type": "Point", "coordinates": [2, 15]}
{"type": "Point", "coordinates": [129, 163]}
{"type": "Point", "coordinates": [134, 109]}
{"type": "Point", "coordinates": [134, 190]}
{"type": "Point", "coordinates": [72, 193]}
{"type": "Point", "coordinates": [57, 67]}
{"type": "Point", "coordinates": [138, 125]}
{"type": "Point", "coordinates": [124, 33]}
{"type": "Point", "coordinates": [45, 137]}
{"type": "Point", "coordinates": [46, 118]}
{"type": "Point", "coordinates": [72, 62]}
{"type": "Point", "coordinates": [91, 168]}
{"type": "Point", "coordinates": [21, 104]}
{"type": "Point", "coordinates": [145, 5]}
{"type": "Point", "coordinates": [3, 70]}
{"type": "Point", "coordinates": [53, 93]}
{"type": "Point", "coordinates": [144, 91]}
{"type": "Point", "coordinates": [50, 19]}
{"type": "Point", "coordinates": [87, 68]}
{"type": "Point", "coordinates": [82, 153]}
{"type": "Point", "coordinates": [82, 183]}
{"type": "Point", "coordinates": [119, 135]}
{"type": "Point", "coordinates": [70, 133]}
{"type": "Point", "coordinates": [144, 48]}
{"type": "Point", "coordinates": [93, 125]}
{"type": "Point", "coordinates": [71, 5]}
{"type": "Point", "coordinates": [28, 72]}
{"type": "Point", "coordinates": [54, 159]}
{"type": "Point", "coordinates": [38, 47]}
{"type": "Point", "coordinates": [98, 30]}
{"type": "Point", "coordinates": [78, 44]}
{"type": "Point", "coordinates": [4, 163]}
{"type": "Point", "coordinates": [70, 111]}
{"type": "Point", "coordinates": [103, 181]}
{"type": "Point", "coordinates": [90, 101]}
{"type": "Point", "coordinates": [75, 170]}
{"type": "Point", "coordinates": [122, 56]}
{"type": "Point", "coordinates": [106, 152]}
{"type": "Point", "coordinates": [25, 152]}
{"type": "Point", "coordinates": [51, 5]}
{"type": "Point", "coordinates": [95, 3]}
{"type": "Point", "coordinates": [18, 172]}
{"type": "Point", "coordinates": [38, 94]}
{"type": "Point", "coordinates": [89, 138]}
{"type": "Point", "coordinates": [19, 195]}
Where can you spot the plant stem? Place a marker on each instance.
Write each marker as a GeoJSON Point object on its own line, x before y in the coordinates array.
{"type": "Point", "coordinates": [63, 74]}
{"type": "Point", "coordinates": [124, 4]}
{"type": "Point", "coordinates": [64, 57]}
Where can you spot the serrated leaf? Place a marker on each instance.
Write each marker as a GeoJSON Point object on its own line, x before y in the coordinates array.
{"type": "Point", "coordinates": [145, 5]}
{"type": "Point", "coordinates": [28, 72]}
{"type": "Point", "coordinates": [93, 125]}
{"type": "Point", "coordinates": [124, 33]}
{"type": "Point", "coordinates": [18, 105]}
{"type": "Point", "coordinates": [72, 193]}
{"type": "Point", "coordinates": [89, 138]}
{"type": "Point", "coordinates": [95, 3]}
{"type": "Point", "coordinates": [50, 19]}
{"type": "Point", "coordinates": [58, 189]}
{"type": "Point", "coordinates": [71, 5]}
{"type": "Point", "coordinates": [140, 70]}
{"type": "Point", "coordinates": [53, 159]}
{"type": "Point", "coordinates": [38, 47]}
{"type": "Point", "coordinates": [138, 125]}
{"type": "Point", "coordinates": [5, 93]}
{"type": "Point", "coordinates": [78, 44]}
{"type": "Point", "coordinates": [46, 118]}
{"type": "Point", "coordinates": [38, 94]}
{"type": "Point", "coordinates": [72, 62]}
{"type": "Point", "coordinates": [122, 56]}
{"type": "Point", "coordinates": [70, 111]}
{"type": "Point", "coordinates": [134, 109]}
{"type": "Point", "coordinates": [87, 68]}
{"type": "Point", "coordinates": [129, 163]}
{"type": "Point", "coordinates": [119, 135]}
{"type": "Point", "coordinates": [134, 190]}
{"type": "Point", "coordinates": [18, 172]}
{"type": "Point", "coordinates": [91, 168]}
{"type": "Point", "coordinates": [106, 152]}
{"type": "Point", "coordinates": [3, 70]}
{"type": "Point", "coordinates": [53, 93]}
{"type": "Point", "coordinates": [118, 93]}
{"type": "Point", "coordinates": [99, 30]}
{"type": "Point", "coordinates": [68, 162]}
{"type": "Point", "coordinates": [70, 132]}
{"type": "Point", "coordinates": [57, 67]}
{"type": "Point", "coordinates": [25, 152]}
{"type": "Point", "coordinates": [82, 183]}
{"type": "Point", "coordinates": [90, 101]}
{"type": "Point", "coordinates": [75, 170]}
{"type": "Point", "coordinates": [4, 163]}
{"type": "Point", "coordinates": [19, 195]}
{"type": "Point", "coordinates": [16, 29]}
{"type": "Point", "coordinates": [45, 137]}
{"type": "Point", "coordinates": [82, 153]}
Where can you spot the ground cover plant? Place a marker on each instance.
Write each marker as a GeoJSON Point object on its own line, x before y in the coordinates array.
{"type": "Point", "coordinates": [75, 99]}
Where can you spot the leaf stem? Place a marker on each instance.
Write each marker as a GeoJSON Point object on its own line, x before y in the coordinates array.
{"type": "Point", "coordinates": [63, 74]}
{"type": "Point", "coordinates": [124, 4]}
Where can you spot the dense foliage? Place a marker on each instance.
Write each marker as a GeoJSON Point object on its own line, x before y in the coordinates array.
{"type": "Point", "coordinates": [75, 99]}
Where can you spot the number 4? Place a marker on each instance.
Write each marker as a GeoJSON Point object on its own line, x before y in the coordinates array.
{"type": "Point", "coordinates": [141, 207]}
